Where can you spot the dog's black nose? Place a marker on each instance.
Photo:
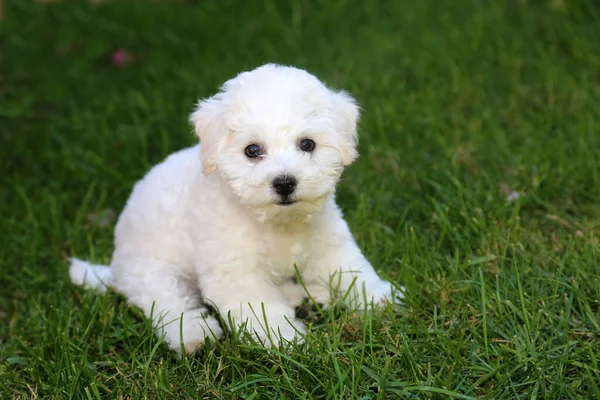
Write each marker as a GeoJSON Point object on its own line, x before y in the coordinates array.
{"type": "Point", "coordinates": [284, 185]}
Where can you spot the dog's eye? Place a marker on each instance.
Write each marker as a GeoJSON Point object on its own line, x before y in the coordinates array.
{"type": "Point", "coordinates": [252, 151]}
{"type": "Point", "coordinates": [307, 145]}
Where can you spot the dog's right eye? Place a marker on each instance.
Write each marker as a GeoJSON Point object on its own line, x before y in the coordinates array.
{"type": "Point", "coordinates": [252, 151]}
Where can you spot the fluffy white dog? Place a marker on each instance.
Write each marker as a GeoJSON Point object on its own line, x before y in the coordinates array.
{"type": "Point", "coordinates": [226, 223]}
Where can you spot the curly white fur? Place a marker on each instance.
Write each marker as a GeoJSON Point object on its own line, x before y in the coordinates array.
{"type": "Point", "coordinates": [206, 226]}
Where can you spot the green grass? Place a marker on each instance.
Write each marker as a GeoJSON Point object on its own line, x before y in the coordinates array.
{"type": "Point", "coordinates": [463, 102]}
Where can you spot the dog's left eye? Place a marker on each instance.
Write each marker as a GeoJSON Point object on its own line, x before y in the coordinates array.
{"type": "Point", "coordinates": [252, 151]}
{"type": "Point", "coordinates": [306, 145]}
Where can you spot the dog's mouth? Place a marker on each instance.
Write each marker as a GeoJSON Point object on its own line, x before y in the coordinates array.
{"type": "Point", "coordinates": [286, 202]}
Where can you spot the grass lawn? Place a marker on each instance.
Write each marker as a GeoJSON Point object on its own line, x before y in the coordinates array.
{"type": "Point", "coordinates": [478, 187]}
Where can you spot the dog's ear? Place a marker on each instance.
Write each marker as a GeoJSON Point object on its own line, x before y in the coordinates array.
{"type": "Point", "coordinates": [346, 114]}
{"type": "Point", "coordinates": [209, 126]}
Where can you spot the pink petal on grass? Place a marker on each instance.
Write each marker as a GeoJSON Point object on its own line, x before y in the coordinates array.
{"type": "Point", "coordinates": [121, 57]}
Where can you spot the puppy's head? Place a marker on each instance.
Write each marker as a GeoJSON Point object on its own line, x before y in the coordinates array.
{"type": "Point", "coordinates": [279, 138]}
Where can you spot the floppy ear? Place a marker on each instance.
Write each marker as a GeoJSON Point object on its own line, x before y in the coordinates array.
{"type": "Point", "coordinates": [209, 126]}
{"type": "Point", "coordinates": [345, 118]}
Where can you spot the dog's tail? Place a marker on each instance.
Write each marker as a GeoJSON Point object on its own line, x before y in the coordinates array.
{"type": "Point", "coordinates": [83, 273]}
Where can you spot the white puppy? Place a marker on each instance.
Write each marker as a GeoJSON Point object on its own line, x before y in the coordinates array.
{"type": "Point", "coordinates": [226, 223]}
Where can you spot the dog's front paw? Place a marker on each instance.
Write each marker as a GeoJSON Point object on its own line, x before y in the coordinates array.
{"type": "Point", "coordinates": [192, 332]}
{"type": "Point", "coordinates": [276, 331]}
{"type": "Point", "coordinates": [378, 294]}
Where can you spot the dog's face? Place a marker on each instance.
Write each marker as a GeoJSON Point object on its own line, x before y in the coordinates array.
{"type": "Point", "coordinates": [279, 139]}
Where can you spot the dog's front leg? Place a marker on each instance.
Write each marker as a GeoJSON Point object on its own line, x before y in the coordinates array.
{"type": "Point", "coordinates": [338, 267]}
{"type": "Point", "coordinates": [247, 298]}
